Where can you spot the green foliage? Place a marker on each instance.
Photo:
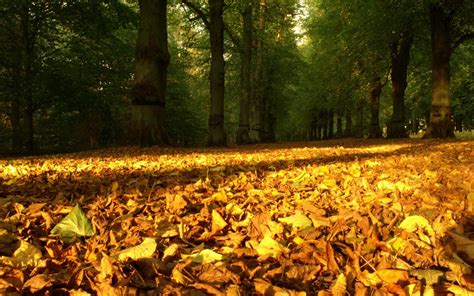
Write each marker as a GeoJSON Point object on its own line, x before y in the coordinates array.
{"type": "Point", "coordinates": [75, 224]}
{"type": "Point", "coordinates": [70, 66]}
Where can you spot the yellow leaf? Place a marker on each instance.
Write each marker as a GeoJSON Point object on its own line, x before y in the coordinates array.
{"type": "Point", "coordinates": [470, 202]}
{"type": "Point", "coordinates": [412, 223]}
{"type": "Point", "coordinates": [106, 268]}
{"type": "Point", "coordinates": [397, 244]}
{"type": "Point", "coordinates": [220, 196]}
{"type": "Point", "coordinates": [218, 222]}
{"type": "Point", "coordinates": [392, 276]}
{"type": "Point", "coordinates": [206, 256]}
{"type": "Point", "coordinates": [297, 221]}
{"type": "Point", "coordinates": [340, 286]}
{"type": "Point", "coordinates": [171, 251]}
{"type": "Point", "coordinates": [144, 250]}
{"type": "Point", "coordinates": [234, 209]}
{"type": "Point", "coordinates": [268, 246]}
{"type": "Point", "coordinates": [459, 291]}
{"type": "Point", "coordinates": [385, 185]}
{"type": "Point", "coordinates": [179, 277]}
{"type": "Point", "coordinates": [354, 170]}
{"type": "Point", "coordinates": [431, 174]}
{"type": "Point", "coordinates": [26, 255]}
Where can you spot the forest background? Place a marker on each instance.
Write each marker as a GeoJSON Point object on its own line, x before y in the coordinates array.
{"type": "Point", "coordinates": [294, 71]}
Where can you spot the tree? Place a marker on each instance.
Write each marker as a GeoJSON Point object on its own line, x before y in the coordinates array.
{"type": "Point", "coordinates": [214, 23]}
{"type": "Point", "coordinates": [243, 136]}
{"type": "Point", "coordinates": [151, 67]}
{"type": "Point", "coordinates": [451, 25]}
{"type": "Point", "coordinates": [216, 133]}
{"type": "Point", "coordinates": [400, 58]}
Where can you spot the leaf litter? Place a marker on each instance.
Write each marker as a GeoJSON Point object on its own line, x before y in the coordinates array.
{"type": "Point", "coordinates": [328, 218]}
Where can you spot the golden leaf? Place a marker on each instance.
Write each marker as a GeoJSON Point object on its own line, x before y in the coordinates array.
{"type": "Point", "coordinates": [339, 288]}
{"type": "Point", "coordinates": [218, 223]}
{"type": "Point", "coordinates": [144, 250]}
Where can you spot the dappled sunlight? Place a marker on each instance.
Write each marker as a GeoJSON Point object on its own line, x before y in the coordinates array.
{"type": "Point", "coordinates": [319, 207]}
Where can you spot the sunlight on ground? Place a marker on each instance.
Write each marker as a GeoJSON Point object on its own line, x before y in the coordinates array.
{"type": "Point", "coordinates": [309, 213]}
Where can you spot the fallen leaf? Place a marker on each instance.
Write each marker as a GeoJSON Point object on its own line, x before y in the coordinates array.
{"type": "Point", "coordinates": [297, 221]}
{"type": "Point", "coordinates": [144, 250]}
{"type": "Point", "coordinates": [74, 224]}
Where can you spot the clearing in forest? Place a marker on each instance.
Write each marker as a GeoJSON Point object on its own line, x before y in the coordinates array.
{"type": "Point", "coordinates": [327, 218]}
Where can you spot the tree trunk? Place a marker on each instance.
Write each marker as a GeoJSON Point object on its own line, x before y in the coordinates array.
{"type": "Point", "coordinates": [399, 70]}
{"type": "Point", "coordinates": [441, 123]}
{"type": "Point", "coordinates": [339, 125]}
{"type": "Point", "coordinates": [29, 43]}
{"type": "Point", "coordinates": [376, 89]}
{"type": "Point", "coordinates": [151, 70]}
{"type": "Point", "coordinates": [245, 77]}
{"type": "Point", "coordinates": [216, 132]}
{"type": "Point", "coordinates": [257, 87]}
{"type": "Point", "coordinates": [359, 133]}
{"type": "Point", "coordinates": [348, 129]}
{"type": "Point", "coordinates": [331, 125]}
{"type": "Point", "coordinates": [15, 121]}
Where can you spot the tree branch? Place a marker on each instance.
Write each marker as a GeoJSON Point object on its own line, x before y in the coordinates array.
{"type": "Point", "coordinates": [235, 40]}
{"type": "Point", "coordinates": [200, 13]}
{"type": "Point", "coordinates": [462, 39]}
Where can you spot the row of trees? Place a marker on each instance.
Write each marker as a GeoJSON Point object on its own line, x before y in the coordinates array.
{"type": "Point", "coordinates": [246, 37]}
{"type": "Point", "coordinates": [79, 73]}
{"type": "Point", "coordinates": [385, 43]}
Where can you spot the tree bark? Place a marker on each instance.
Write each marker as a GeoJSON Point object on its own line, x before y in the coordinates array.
{"type": "Point", "coordinates": [441, 123]}
{"type": "Point", "coordinates": [216, 132]}
{"type": "Point", "coordinates": [151, 71]}
{"type": "Point", "coordinates": [29, 43]}
{"type": "Point", "coordinates": [15, 121]}
{"type": "Point", "coordinates": [245, 76]}
{"type": "Point", "coordinates": [400, 58]}
{"type": "Point", "coordinates": [359, 133]}
{"type": "Point", "coordinates": [331, 125]}
{"type": "Point", "coordinates": [376, 90]}
{"type": "Point", "coordinates": [339, 125]}
{"type": "Point", "coordinates": [257, 97]}
{"type": "Point", "coordinates": [348, 127]}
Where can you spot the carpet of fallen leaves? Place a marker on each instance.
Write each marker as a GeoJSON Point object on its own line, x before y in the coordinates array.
{"type": "Point", "coordinates": [345, 217]}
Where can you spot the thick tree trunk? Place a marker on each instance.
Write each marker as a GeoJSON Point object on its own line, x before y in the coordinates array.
{"type": "Point", "coordinates": [245, 76]}
{"type": "Point", "coordinates": [376, 90]}
{"type": "Point", "coordinates": [29, 43]}
{"type": "Point", "coordinates": [399, 70]}
{"type": "Point", "coordinates": [441, 123]}
{"type": "Point", "coordinates": [257, 97]}
{"type": "Point", "coordinates": [151, 70]}
{"type": "Point", "coordinates": [216, 132]}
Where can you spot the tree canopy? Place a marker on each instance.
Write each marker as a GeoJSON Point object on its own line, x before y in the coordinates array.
{"type": "Point", "coordinates": [74, 74]}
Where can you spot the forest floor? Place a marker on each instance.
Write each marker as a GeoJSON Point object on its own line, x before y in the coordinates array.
{"type": "Point", "coordinates": [318, 218]}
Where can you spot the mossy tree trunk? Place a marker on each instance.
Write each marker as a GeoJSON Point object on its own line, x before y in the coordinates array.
{"type": "Point", "coordinates": [441, 123]}
{"type": "Point", "coordinates": [243, 136]}
{"type": "Point", "coordinates": [257, 111]}
{"type": "Point", "coordinates": [216, 131]}
{"type": "Point", "coordinates": [151, 71]}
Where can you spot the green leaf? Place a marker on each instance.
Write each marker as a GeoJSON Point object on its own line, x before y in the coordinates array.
{"type": "Point", "coordinates": [143, 250]}
{"type": "Point", "coordinates": [74, 224]}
